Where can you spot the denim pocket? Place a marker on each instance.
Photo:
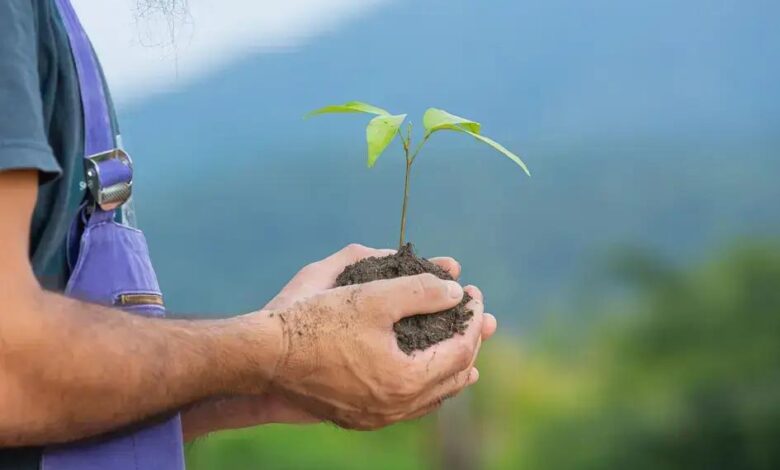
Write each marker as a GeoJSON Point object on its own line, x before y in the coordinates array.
{"type": "Point", "coordinates": [114, 262]}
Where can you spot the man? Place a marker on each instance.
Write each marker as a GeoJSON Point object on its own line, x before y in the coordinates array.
{"type": "Point", "coordinates": [71, 370]}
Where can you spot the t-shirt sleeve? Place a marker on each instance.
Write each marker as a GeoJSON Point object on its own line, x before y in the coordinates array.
{"type": "Point", "coordinates": [23, 141]}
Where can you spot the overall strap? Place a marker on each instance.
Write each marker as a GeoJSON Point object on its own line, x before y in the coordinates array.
{"type": "Point", "coordinates": [109, 170]}
{"type": "Point", "coordinates": [114, 260]}
{"type": "Point", "coordinates": [98, 132]}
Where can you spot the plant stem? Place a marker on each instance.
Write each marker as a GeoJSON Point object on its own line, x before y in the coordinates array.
{"type": "Point", "coordinates": [406, 202]}
{"type": "Point", "coordinates": [410, 157]}
{"type": "Point", "coordinates": [419, 147]}
{"type": "Point", "coordinates": [407, 144]}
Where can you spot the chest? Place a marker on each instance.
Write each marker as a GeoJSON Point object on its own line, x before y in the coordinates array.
{"type": "Point", "coordinates": [58, 200]}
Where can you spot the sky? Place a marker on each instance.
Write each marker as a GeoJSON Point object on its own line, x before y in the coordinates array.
{"type": "Point", "coordinates": [140, 58]}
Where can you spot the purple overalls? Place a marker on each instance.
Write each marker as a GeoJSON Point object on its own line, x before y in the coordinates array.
{"type": "Point", "coordinates": [110, 265]}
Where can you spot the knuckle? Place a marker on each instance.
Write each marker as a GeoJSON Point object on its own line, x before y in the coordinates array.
{"type": "Point", "coordinates": [407, 390]}
{"type": "Point", "coordinates": [310, 268]}
{"type": "Point", "coordinates": [384, 398]}
{"type": "Point", "coordinates": [454, 264]}
{"type": "Point", "coordinates": [355, 249]}
{"type": "Point", "coordinates": [368, 299]}
{"type": "Point", "coordinates": [397, 391]}
{"type": "Point", "coordinates": [463, 380]}
{"type": "Point", "coordinates": [425, 284]}
{"type": "Point", "coordinates": [476, 307]}
{"type": "Point", "coordinates": [465, 355]}
{"type": "Point", "coordinates": [412, 288]}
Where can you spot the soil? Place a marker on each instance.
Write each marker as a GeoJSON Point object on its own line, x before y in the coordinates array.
{"type": "Point", "coordinates": [417, 332]}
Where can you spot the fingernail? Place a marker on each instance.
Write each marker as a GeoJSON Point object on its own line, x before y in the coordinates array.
{"type": "Point", "coordinates": [454, 290]}
{"type": "Point", "coordinates": [473, 375]}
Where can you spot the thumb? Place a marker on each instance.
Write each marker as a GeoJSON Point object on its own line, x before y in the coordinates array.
{"type": "Point", "coordinates": [413, 295]}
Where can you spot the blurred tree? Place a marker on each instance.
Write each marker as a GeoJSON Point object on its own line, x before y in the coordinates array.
{"type": "Point", "coordinates": [687, 376]}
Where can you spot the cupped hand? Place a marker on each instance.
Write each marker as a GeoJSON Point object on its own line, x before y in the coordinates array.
{"type": "Point", "coordinates": [321, 275]}
{"type": "Point", "coordinates": [274, 407]}
{"type": "Point", "coordinates": [341, 362]}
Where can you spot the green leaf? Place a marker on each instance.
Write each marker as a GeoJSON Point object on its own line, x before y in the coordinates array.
{"type": "Point", "coordinates": [438, 119]}
{"type": "Point", "coordinates": [350, 107]}
{"type": "Point", "coordinates": [379, 133]}
{"type": "Point", "coordinates": [500, 148]}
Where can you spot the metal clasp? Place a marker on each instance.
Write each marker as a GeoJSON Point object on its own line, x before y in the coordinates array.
{"type": "Point", "coordinates": [109, 177]}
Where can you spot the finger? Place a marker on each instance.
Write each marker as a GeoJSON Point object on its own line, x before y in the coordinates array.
{"type": "Point", "coordinates": [424, 411]}
{"type": "Point", "coordinates": [411, 295]}
{"type": "Point", "coordinates": [489, 326]}
{"type": "Point", "coordinates": [474, 292]}
{"type": "Point", "coordinates": [353, 253]}
{"type": "Point", "coordinates": [456, 354]}
{"type": "Point", "coordinates": [334, 264]}
{"type": "Point", "coordinates": [455, 384]}
{"type": "Point", "coordinates": [448, 389]}
{"type": "Point", "coordinates": [448, 264]}
{"type": "Point", "coordinates": [452, 386]}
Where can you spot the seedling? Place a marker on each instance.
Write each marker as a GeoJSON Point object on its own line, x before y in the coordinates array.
{"type": "Point", "coordinates": [385, 127]}
{"type": "Point", "coordinates": [417, 332]}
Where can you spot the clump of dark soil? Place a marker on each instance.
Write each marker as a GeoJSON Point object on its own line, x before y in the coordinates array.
{"type": "Point", "coordinates": [417, 332]}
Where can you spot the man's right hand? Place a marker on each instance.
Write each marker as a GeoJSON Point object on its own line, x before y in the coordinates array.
{"type": "Point", "coordinates": [341, 363]}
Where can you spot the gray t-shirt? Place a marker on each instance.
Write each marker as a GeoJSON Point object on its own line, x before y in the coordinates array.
{"type": "Point", "coordinates": [41, 124]}
{"type": "Point", "coordinates": [41, 128]}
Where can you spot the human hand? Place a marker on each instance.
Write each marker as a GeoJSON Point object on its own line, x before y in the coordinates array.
{"type": "Point", "coordinates": [239, 411]}
{"type": "Point", "coordinates": [341, 362]}
{"type": "Point", "coordinates": [320, 276]}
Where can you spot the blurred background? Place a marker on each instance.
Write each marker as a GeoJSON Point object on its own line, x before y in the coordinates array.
{"type": "Point", "coordinates": [635, 276]}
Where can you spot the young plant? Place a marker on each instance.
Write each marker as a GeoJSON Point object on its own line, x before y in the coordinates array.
{"type": "Point", "coordinates": [385, 127]}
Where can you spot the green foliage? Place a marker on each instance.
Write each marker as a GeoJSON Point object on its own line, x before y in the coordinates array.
{"type": "Point", "coordinates": [314, 447]}
{"type": "Point", "coordinates": [500, 148]}
{"type": "Point", "coordinates": [379, 133]}
{"type": "Point", "coordinates": [350, 107]}
{"type": "Point", "coordinates": [438, 119]}
{"type": "Point", "coordinates": [685, 375]}
{"type": "Point", "coordinates": [385, 127]}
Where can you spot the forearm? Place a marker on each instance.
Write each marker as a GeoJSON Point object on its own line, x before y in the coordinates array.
{"type": "Point", "coordinates": [223, 413]}
{"type": "Point", "coordinates": [243, 411]}
{"type": "Point", "coordinates": [70, 370]}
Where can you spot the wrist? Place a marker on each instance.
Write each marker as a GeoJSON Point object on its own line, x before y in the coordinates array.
{"type": "Point", "coordinates": [251, 347]}
{"type": "Point", "coordinates": [256, 349]}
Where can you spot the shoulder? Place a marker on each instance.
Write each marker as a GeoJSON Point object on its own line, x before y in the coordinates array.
{"type": "Point", "coordinates": [17, 15]}
{"type": "Point", "coordinates": [18, 43]}
{"type": "Point", "coordinates": [23, 140]}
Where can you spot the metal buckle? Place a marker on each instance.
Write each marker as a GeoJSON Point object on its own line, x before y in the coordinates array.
{"type": "Point", "coordinates": [109, 177]}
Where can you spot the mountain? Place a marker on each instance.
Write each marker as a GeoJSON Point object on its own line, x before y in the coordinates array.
{"type": "Point", "coordinates": [647, 124]}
